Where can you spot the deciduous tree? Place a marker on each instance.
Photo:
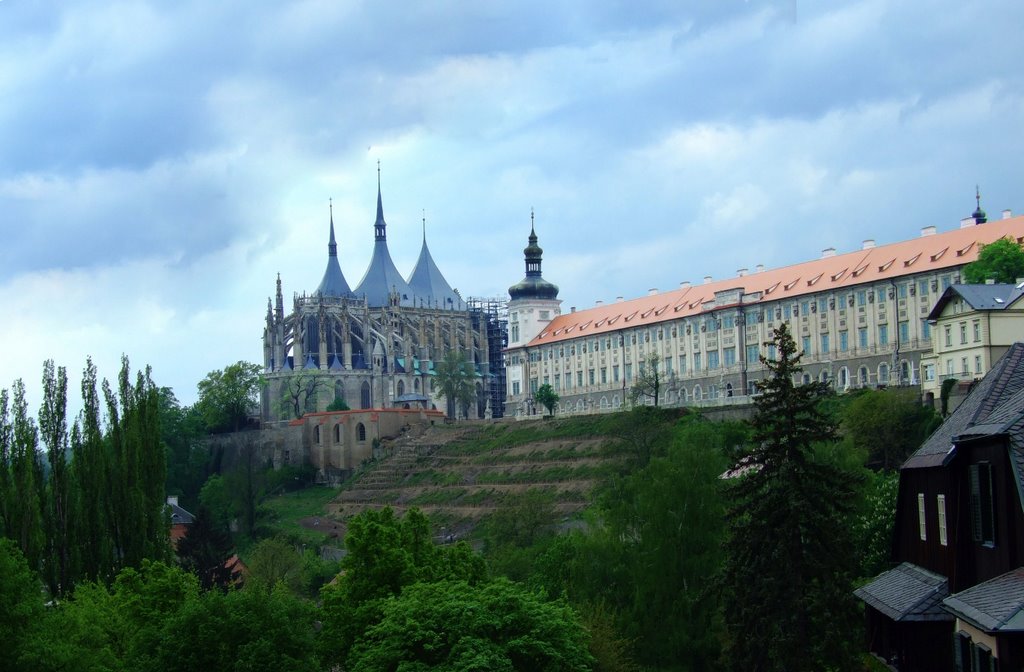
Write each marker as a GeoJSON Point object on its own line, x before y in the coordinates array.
{"type": "Point", "coordinates": [648, 381]}
{"type": "Point", "coordinates": [227, 396]}
{"type": "Point", "coordinates": [1001, 260]}
{"type": "Point", "coordinates": [456, 379]}
{"type": "Point", "coordinates": [546, 397]}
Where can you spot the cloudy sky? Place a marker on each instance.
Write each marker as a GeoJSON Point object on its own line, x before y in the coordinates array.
{"type": "Point", "coordinates": [161, 162]}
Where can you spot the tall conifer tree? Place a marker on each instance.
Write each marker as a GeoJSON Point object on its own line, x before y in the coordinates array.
{"type": "Point", "coordinates": [92, 546]}
{"type": "Point", "coordinates": [26, 524]}
{"type": "Point", "coordinates": [787, 581]}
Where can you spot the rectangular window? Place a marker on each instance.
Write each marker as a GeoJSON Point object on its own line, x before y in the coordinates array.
{"type": "Point", "coordinates": [822, 305]}
{"type": "Point", "coordinates": [787, 311]}
{"type": "Point", "coordinates": [946, 282]}
{"type": "Point", "coordinates": [883, 334]}
{"type": "Point", "coordinates": [862, 297]}
{"type": "Point", "coordinates": [881, 296]}
{"type": "Point", "coordinates": [940, 505]}
{"type": "Point", "coordinates": [824, 344]}
{"type": "Point", "coordinates": [963, 333]}
{"type": "Point", "coordinates": [805, 343]}
{"type": "Point", "coordinates": [713, 359]}
{"type": "Point", "coordinates": [929, 372]}
{"type": "Point", "coordinates": [963, 366]}
{"type": "Point", "coordinates": [729, 322]}
{"type": "Point", "coordinates": [977, 331]}
{"type": "Point", "coordinates": [926, 329]}
{"type": "Point", "coordinates": [579, 379]}
{"type": "Point", "coordinates": [729, 355]}
{"type": "Point", "coordinates": [682, 365]}
{"type": "Point", "coordinates": [771, 351]}
{"type": "Point", "coordinates": [628, 372]}
{"type": "Point", "coordinates": [668, 366]}
{"type": "Point", "coordinates": [604, 375]}
{"type": "Point", "coordinates": [515, 388]}
{"type": "Point", "coordinates": [862, 337]}
{"type": "Point", "coordinates": [982, 510]}
{"type": "Point", "coordinates": [568, 381]}
{"type": "Point", "coordinates": [921, 527]}
{"type": "Point", "coordinates": [922, 287]}
{"type": "Point", "coordinates": [949, 367]}
{"type": "Point", "coordinates": [977, 363]}
{"type": "Point", "coordinates": [533, 386]}
{"type": "Point", "coordinates": [556, 383]}
{"type": "Point", "coordinates": [696, 361]}
{"type": "Point", "coordinates": [805, 308]}
{"type": "Point", "coordinates": [903, 291]}
{"type": "Point", "coordinates": [615, 373]}
{"type": "Point", "coordinates": [753, 352]}
{"type": "Point", "coordinates": [949, 336]}
{"type": "Point", "coordinates": [904, 332]}
{"type": "Point", "coordinates": [590, 376]}
{"type": "Point", "coordinates": [844, 341]}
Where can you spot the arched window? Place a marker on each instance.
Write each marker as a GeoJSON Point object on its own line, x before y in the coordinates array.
{"type": "Point", "coordinates": [698, 393]}
{"type": "Point", "coordinates": [683, 394]}
{"type": "Point", "coordinates": [579, 405]}
{"type": "Point", "coordinates": [311, 401]}
{"type": "Point", "coordinates": [823, 377]}
{"type": "Point", "coordinates": [365, 400]}
{"type": "Point", "coordinates": [712, 391]}
{"type": "Point", "coordinates": [905, 377]}
{"type": "Point", "coordinates": [316, 434]}
{"type": "Point", "coordinates": [400, 388]}
{"type": "Point", "coordinates": [806, 379]}
{"type": "Point", "coordinates": [616, 402]}
{"type": "Point", "coordinates": [604, 402]}
{"type": "Point", "coordinates": [361, 432]}
{"type": "Point", "coordinates": [416, 384]}
{"type": "Point", "coordinates": [844, 378]}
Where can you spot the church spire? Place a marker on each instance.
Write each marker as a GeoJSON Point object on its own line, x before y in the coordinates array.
{"type": "Point", "coordinates": [279, 309]}
{"type": "Point", "coordinates": [332, 245]}
{"type": "Point", "coordinates": [380, 227]}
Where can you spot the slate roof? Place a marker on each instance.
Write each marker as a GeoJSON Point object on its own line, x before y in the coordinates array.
{"type": "Point", "coordinates": [979, 297]}
{"type": "Point", "coordinates": [429, 288]}
{"type": "Point", "coordinates": [907, 593]}
{"type": "Point", "coordinates": [991, 407]}
{"type": "Point", "coordinates": [333, 282]}
{"type": "Point", "coordinates": [997, 605]}
{"type": "Point", "coordinates": [382, 278]}
{"type": "Point", "coordinates": [180, 516]}
{"type": "Point", "coordinates": [948, 250]}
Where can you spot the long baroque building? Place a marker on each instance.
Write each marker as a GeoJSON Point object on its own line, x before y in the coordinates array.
{"type": "Point", "coordinates": [374, 346]}
{"type": "Point", "coordinates": [860, 317]}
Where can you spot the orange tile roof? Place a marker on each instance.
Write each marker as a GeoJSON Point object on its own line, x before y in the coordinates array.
{"type": "Point", "coordinates": [919, 255]}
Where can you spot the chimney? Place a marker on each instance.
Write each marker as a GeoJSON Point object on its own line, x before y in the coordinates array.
{"type": "Point", "coordinates": [740, 273]}
{"type": "Point", "coordinates": [759, 268]}
{"type": "Point", "coordinates": [828, 252]}
{"type": "Point", "coordinates": [599, 302]}
{"type": "Point", "coordinates": [1007, 214]}
{"type": "Point", "coordinates": [927, 231]}
{"type": "Point", "coordinates": [572, 309]}
{"type": "Point", "coordinates": [967, 222]}
{"type": "Point", "coordinates": [653, 291]}
{"type": "Point", "coordinates": [685, 284]}
{"type": "Point", "coordinates": [619, 299]}
{"type": "Point", "coordinates": [172, 500]}
{"type": "Point", "coordinates": [868, 244]}
{"type": "Point", "coordinates": [990, 281]}
{"type": "Point", "coordinates": [707, 279]}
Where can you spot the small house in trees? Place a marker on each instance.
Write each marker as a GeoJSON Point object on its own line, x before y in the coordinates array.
{"type": "Point", "coordinates": [956, 600]}
{"type": "Point", "coordinates": [180, 519]}
{"type": "Point", "coordinates": [973, 325]}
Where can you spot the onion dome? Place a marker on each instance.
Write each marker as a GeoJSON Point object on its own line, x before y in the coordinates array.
{"type": "Point", "coordinates": [533, 286]}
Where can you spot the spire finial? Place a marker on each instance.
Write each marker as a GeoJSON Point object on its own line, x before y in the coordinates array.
{"type": "Point", "coordinates": [378, 174]}
{"type": "Point", "coordinates": [424, 225]}
{"type": "Point", "coordinates": [977, 195]}
{"type": "Point", "coordinates": [332, 244]}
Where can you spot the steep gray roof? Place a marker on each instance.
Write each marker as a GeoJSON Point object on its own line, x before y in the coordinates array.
{"type": "Point", "coordinates": [382, 278]}
{"type": "Point", "coordinates": [995, 397]}
{"type": "Point", "coordinates": [907, 593]}
{"type": "Point", "coordinates": [333, 283]}
{"type": "Point", "coordinates": [429, 288]}
{"type": "Point", "coordinates": [997, 605]}
{"type": "Point", "coordinates": [979, 297]}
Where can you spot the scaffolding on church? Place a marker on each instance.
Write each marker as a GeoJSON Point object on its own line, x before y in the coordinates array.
{"type": "Point", "coordinates": [493, 311]}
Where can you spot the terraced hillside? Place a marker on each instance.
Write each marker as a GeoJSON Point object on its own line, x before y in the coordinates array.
{"type": "Point", "coordinates": [458, 474]}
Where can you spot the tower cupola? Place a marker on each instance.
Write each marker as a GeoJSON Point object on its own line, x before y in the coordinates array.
{"type": "Point", "coordinates": [533, 286]}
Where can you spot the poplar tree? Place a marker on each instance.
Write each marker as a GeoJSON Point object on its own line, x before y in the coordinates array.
{"type": "Point", "coordinates": [788, 601]}
{"type": "Point", "coordinates": [25, 523]}
{"type": "Point", "coordinates": [91, 546]}
{"type": "Point", "coordinates": [54, 429]}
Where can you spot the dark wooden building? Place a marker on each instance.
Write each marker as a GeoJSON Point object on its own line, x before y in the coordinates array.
{"type": "Point", "coordinates": [955, 600]}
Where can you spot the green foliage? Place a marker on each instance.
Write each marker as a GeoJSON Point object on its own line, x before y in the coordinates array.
{"type": "Point", "coordinates": [648, 381]}
{"type": "Point", "coordinates": [339, 404]}
{"type": "Point", "coordinates": [226, 396]}
{"type": "Point", "coordinates": [947, 389]}
{"type": "Point", "coordinates": [300, 391]}
{"type": "Point", "coordinates": [386, 554]}
{"type": "Point", "coordinates": [182, 429]}
{"type": "Point", "coordinates": [458, 626]}
{"type": "Point", "coordinates": [21, 603]}
{"type": "Point", "coordinates": [788, 599]}
{"type": "Point", "coordinates": [456, 379]}
{"type": "Point", "coordinates": [205, 548]}
{"type": "Point", "coordinates": [546, 397]}
{"type": "Point", "coordinates": [888, 425]}
{"type": "Point", "coordinates": [876, 522]}
{"type": "Point", "coordinates": [274, 561]}
{"type": "Point", "coordinates": [643, 432]}
{"type": "Point", "coordinates": [1001, 260]}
